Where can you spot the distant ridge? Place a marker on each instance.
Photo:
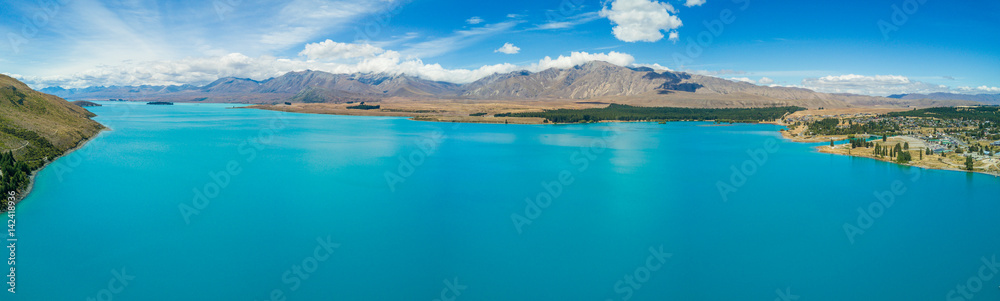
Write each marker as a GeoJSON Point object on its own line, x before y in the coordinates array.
{"type": "Point", "coordinates": [993, 99]}
{"type": "Point", "coordinates": [591, 81]}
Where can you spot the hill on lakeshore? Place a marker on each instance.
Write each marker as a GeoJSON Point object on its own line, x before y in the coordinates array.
{"type": "Point", "coordinates": [35, 126]}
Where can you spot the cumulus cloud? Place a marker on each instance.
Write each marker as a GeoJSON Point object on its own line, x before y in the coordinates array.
{"type": "Point", "coordinates": [654, 66]}
{"type": "Point", "coordinates": [674, 36]}
{"type": "Point", "coordinates": [871, 85]}
{"type": "Point", "coordinates": [692, 3]}
{"type": "Point", "coordinates": [743, 79]}
{"type": "Point", "coordinates": [330, 50]}
{"type": "Point", "coordinates": [580, 58]}
{"type": "Point", "coordinates": [475, 20]}
{"type": "Point", "coordinates": [980, 89]}
{"type": "Point", "coordinates": [328, 56]}
{"type": "Point", "coordinates": [508, 48]}
{"type": "Point", "coordinates": [765, 81]}
{"type": "Point", "coordinates": [641, 20]}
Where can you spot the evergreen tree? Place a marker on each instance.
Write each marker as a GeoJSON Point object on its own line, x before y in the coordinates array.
{"type": "Point", "coordinates": [906, 146]}
{"type": "Point", "coordinates": [969, 163]}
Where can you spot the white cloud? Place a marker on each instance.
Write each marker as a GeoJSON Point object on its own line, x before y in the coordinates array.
{"type": "Point", "coordinates": [87, 33]}
{"type": "Point", "coordinates": [330, 50]}
{"type": "Point", "coordinates": [459, 39]}
{"type": "Point", "coordinates": [508, 48]}
{"type": "Point", "coordinates": [474, 20]}
{"type": "Point", "coordinates": [674, 36]}
{"type": "Point", "coordinates": [328, 56]}
{"type": "Point", "coordinates": [716, 73]}
{"type": "Point", "coordinates": [654, 66]}
{"type": "Point", "coordinates": [765, 81]}
{"type": "Point", "coordinates": [692, 3]}
{"type": "Point", "coordinates": [641, 20]}
{"type": "Point", "coordinates": [870, 85]}
{"type": "Point", "coordinates": [743, 79]}
{"type": "Point", "coordinates": [980, 89]}
{"type": "Point", "coordinates": [579, 58]}
{"type": "Point", "coordinates": [569, 22]}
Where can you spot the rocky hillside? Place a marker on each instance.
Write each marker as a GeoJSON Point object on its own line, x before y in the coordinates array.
{"type": "Point", "coordinates": [599, 81]}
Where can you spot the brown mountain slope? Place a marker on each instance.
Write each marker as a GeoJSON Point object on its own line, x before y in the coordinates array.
{"type": "Point", "coordinates": [591, 81]}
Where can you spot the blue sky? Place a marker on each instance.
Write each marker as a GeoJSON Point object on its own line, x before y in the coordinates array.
{"type": "Point", "coordinates": [866, 47]}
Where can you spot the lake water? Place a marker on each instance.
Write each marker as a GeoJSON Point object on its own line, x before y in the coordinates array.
{"type": "Point", "coordinates": [204, 202]}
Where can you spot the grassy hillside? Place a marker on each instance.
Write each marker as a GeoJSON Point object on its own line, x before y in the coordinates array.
{"type": "Point", "coordinates": [36, 127]}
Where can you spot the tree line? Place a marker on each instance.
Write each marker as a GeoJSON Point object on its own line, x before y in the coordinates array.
{"type": "Point", "coordinates": [620, 112]}
{"type": "Point", "coordinates": [14, 176]}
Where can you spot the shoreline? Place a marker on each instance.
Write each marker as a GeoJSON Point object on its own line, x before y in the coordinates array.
{"type": "Point", "coordinates": [826, 149]}
{"type": "Point", "coordinates": [786, 133]}
{"type": "Point", "coordinates": [457, 118]}
{"type": "Point", "coordinates": [31, 179]}
{"type": "Point", "coordinates": [836, 150]}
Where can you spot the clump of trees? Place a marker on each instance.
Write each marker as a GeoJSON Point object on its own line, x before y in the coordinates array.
{"type": "Point", "coordinates": [904, 157]}
{"type": "Point", "coordinates": [363, 106]}
{"type": "Point", "coordinates": [13, 176]}
{"type": "Point", "coordinates": [860, 142]}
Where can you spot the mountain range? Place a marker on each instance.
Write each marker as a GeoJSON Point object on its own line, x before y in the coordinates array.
{"type": "Point", "coordinates": [993, 99]}
{"type": "Point", "coordinates": [595, 81]}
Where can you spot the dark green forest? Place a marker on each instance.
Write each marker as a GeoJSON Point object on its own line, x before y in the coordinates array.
{"type": "Point", "coordinates": [14, 176]}
{"type": "Point", "coordinates": [619, 112]}
{"type": "Point", "coordinates": [363, 106]}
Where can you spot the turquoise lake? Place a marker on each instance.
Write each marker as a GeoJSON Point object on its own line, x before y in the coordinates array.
{"type": "Point", "coordinates": [207, 202]}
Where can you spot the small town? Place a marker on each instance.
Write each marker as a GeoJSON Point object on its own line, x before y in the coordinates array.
{"type": "Point", "coordinates": [969, 142]}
